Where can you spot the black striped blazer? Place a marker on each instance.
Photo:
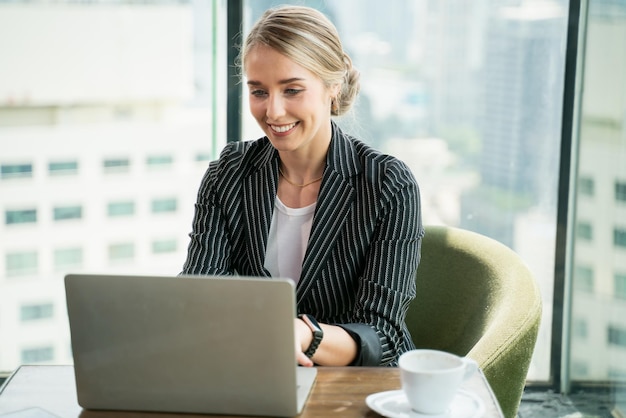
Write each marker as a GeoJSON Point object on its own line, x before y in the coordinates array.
{"type": "Point", "coordinates": [359, 268]}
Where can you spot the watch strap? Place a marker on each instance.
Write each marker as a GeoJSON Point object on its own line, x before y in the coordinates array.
{"type": "Point", "coordinates": [318, 334]}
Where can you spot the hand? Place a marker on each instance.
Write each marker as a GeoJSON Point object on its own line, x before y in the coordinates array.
{"type": "Point", "coordinates": [304, 336]}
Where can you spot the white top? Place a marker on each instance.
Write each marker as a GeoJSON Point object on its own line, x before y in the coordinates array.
{"type": "Point", "coordinates": [288, 239]}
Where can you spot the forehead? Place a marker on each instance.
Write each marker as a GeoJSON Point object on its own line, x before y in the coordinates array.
{"type": "Point", "coordinates": [264, 64]}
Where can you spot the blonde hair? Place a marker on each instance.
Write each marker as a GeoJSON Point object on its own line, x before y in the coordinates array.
{"type": "Point", "coordinates": [309, 38]}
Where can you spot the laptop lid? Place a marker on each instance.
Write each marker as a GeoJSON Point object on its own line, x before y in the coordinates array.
{"type": "Point", "coordinates": [212, 345]}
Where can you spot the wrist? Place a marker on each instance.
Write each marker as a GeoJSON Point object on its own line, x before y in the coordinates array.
{"type": "Point", "coordinates": [310, 346]}
{"type": "Point", "coordinates": [306, 335]}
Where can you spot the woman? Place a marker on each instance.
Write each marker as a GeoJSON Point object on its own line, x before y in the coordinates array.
{"type": "Point", "coordinates": [311, 203]}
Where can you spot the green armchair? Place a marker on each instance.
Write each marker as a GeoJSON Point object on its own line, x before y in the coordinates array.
{"type": "Point", "coordinates": [476, 297]}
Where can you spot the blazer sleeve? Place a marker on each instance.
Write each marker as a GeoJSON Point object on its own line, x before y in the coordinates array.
{"type": "Point", "coordinates": [387, 286]}
{"type": "Point", "coordinates": [210, 249]}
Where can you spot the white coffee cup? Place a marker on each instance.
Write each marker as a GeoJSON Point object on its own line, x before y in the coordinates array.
{"type": "Point", "coordinates": [431, 378]}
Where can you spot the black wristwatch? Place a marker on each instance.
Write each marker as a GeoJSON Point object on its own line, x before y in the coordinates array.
{"type": "Point", "coordinates": [318, 334]}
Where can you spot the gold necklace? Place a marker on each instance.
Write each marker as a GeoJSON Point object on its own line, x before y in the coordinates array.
{"type": "Point", "coordinates": [296, 184]}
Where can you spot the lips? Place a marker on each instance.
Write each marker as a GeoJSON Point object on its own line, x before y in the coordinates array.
{"type": "Point", "coordinates": [282, 128]}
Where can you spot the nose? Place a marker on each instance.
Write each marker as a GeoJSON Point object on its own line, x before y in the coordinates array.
{"type": "Point", "coordinates": [275, 107]}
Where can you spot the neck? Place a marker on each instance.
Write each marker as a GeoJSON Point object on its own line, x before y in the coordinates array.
{"type": "Point", "coordinates": [300, 168]}
{"type": "Point", "coordinates": [303, 183]}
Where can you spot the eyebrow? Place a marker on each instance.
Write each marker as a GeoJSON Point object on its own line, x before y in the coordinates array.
{"type": "Point", "coordinates": [285, 81]}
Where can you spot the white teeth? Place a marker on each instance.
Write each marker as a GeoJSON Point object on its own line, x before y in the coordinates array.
{"type": "Point", "coordinates": [283, 128]}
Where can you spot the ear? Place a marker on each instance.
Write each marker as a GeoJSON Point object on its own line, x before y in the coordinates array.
{"type": "Point", "coordinates": [334, 89]}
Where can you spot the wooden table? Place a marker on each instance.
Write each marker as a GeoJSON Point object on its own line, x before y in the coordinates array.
{"type": "Point", "coordinates": [50, 392]}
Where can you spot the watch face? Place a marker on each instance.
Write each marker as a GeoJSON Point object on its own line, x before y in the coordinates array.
{"type": "Point", "coordinates": [312, 323]}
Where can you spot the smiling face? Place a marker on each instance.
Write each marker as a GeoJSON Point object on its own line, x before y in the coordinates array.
{"type": "Point", "coordinates": [290, 103]}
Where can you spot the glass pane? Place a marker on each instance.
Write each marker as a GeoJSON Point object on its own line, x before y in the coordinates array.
{"type": "Point", "coordinates": [13, 171]}
{"type": "Point", "coordinates": [583, 279]}
{"type": "Point", "coordinates": [95, 94]}
{"type": "Point", "coordinates": [602, 161]}
{"type": "Point", "coordinates": [201, 157]}
{"type": "Point", "coordinates": [159, 161]}
{"type": "Point", "coordinates": [121, 252]}
{"type": "Point", "coordinates": [65, 258]}
{"type": "Point", "coordinates": [469, 96]}
{"type": "Point", "coordinates": [120, 209]}
{"type": "Point", "coordinates": [620, 191]}
{"type": "Point", "coordinates": [33, 312]}
{"type": "Point", "coordinates": [116, 165]}
{"type": "Point", "coordinates": [584, 231]}
{"type": "Point", "coordinates": [60, 168]}
{"type": "Point", "coordinates": [164, 205]}
{"type": "Point", "coordinates": [619, 237]}
{"type": "Point", "coordinates": [37, 355]}
{"type": "Point", "coordinates": [67, 212]}
{"type": "Point", "coordinates": [586, 186]}
{"type": "Point", "coordinates": [620, 285]}
{"type": "Point", "coordinates": [164, 246]}
{"type": "Point", "coordinates": [21, 263]}
{"type": "Point", "coordinates": [23, 216]}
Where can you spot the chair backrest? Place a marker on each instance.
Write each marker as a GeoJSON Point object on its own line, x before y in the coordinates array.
{"type": "Point", "coordinates": [476, 297]}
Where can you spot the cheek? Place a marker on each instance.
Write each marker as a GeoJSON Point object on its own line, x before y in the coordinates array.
{"type": "Point", "coordinates": [256, 109]}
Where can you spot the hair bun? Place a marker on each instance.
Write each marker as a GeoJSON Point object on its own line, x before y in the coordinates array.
{"type": "Point", "coordinates": [349, 89]}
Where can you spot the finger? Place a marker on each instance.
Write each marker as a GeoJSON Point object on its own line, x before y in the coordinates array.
{"type": "Point", "coordinates": [303, 360]}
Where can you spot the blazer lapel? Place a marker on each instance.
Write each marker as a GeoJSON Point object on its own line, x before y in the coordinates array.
{"type": "Point", "coordinates": [333, 206]}
{"type": "Point", "coordinates": [259, 190]}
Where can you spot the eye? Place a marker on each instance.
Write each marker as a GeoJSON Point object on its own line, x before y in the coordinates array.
{"type": "Point", "coordinates": [258, 93]}
{"type": "Point", "coordinates": [292, 92]}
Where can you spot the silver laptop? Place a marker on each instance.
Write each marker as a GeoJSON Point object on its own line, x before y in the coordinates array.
{"type": "Point", "coordinates": [210, 345]}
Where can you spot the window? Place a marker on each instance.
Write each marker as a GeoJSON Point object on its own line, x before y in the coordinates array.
{"type": "Point", "coordinates": [63, 168]}
{"type": "Point", "coordinates": [164, 246]}
{"type": "Point", "coordinates": [37, 311]}
{"type": "Point", "coordinates": [583, 279]}
{"type": "Point", "coordinates": [159, 161]}
{"type": "Point", "coordinates": [617, 336]}
{"type": "Point", "coordinates": [164, 205]}
{"type": "Point", "coordinates": [620, 191]}
{"type": "Point", "coordinates": [580, 328]}
{"type": "Point", "coordinates": [619, 285]}
{"type": "Point", "coordinates": [586, 186]}
{"type": "Point", "coordinates": [63, 213]}
{"type": "Point", "coordinates": [473, 109]}
{"type": "Point", "coordinates": [125, 208]}
{"type": "Point", "coordinates": [15, 171]}
{"type": "Point", "coordinates": [23, 216]}
{"type": "Point", "coordinates": [584, 231]}
{"type": "Point", "coordinates": [65, 258]}
{"type": "Point", "coordinates": [37, 355]}
{"type": "Point", "coordinates": [203, 156]}
{"type": "Point", "coordinates": [599, 146]}
{"type": "Point", "coordinates": [580, 368]}
{"type": "Point", "coordinates": [121, 252]}
{"type": "Point", "coordinates": [21, 263]}
{"type": "Point", "coordinates": [116, 165]}
{"type": "Point", "coordinates": [619, 237]}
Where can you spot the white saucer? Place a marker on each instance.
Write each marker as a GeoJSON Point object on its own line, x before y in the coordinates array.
{"type": "Point", "coordinates": [393, 404]}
